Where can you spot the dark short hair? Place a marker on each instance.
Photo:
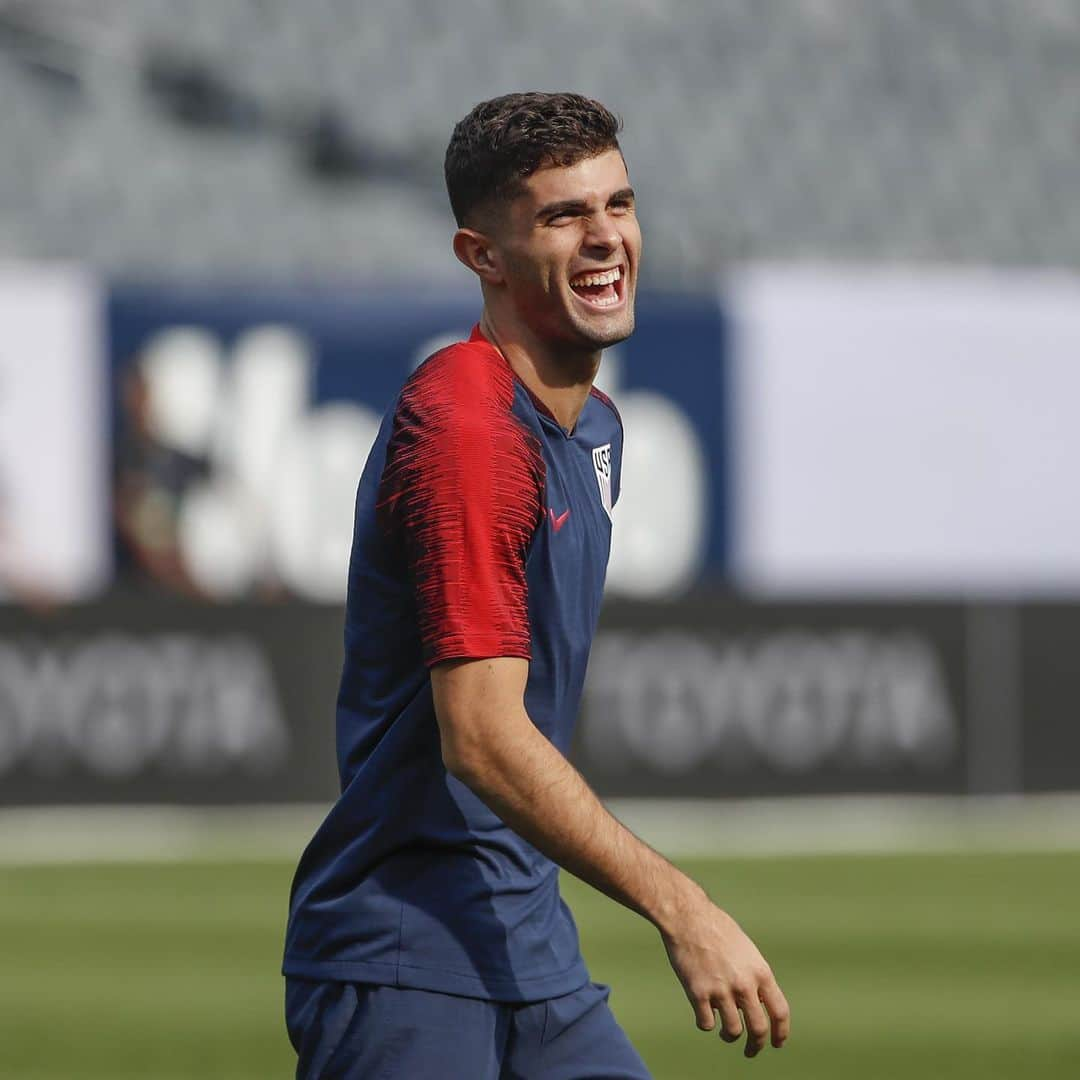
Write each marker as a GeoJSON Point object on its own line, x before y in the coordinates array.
{"type": "Point", "coordinates": [506, 139]}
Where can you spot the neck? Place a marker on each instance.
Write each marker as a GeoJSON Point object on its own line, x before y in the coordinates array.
{"type": "Point", "coordinates": [561, 377]}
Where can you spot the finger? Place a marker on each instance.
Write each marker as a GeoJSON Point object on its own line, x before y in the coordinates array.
{"type": "Point", "coordinates": [779, 1012]}
{"type": "Point", "coordinates": [757, 1025]}
{"type": "Point", "coordinates": [730, 1022]}
{"type": "Point", "coordinates": [703, 1013]}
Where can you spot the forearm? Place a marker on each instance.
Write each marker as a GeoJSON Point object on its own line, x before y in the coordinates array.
{"type": "Point", "coordinates": [491, 745]}
{"type": "Point", "coordinates": [543, 798]}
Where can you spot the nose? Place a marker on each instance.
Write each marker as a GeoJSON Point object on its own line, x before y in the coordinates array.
{"type": "Point", "coordinates": [602, 235]}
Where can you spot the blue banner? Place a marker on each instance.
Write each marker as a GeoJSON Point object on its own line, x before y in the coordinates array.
{"type": "Point", "coordinates": [358, 345]}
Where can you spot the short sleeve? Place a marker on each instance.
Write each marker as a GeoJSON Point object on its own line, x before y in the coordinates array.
{"type": "Point", "coordinates": [462, 494]}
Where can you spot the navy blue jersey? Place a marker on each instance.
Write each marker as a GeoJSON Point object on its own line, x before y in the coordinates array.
{"type": "Point", "coordinates": [482, 529]}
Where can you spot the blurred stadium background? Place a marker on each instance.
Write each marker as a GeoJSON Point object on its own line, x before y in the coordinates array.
{"type": "Point", "coordinates": [838, 674]}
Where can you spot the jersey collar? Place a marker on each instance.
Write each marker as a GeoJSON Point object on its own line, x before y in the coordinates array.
{"type": "Point", "coordinates": [478, 335]}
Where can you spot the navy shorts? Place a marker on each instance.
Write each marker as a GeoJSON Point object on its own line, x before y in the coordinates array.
{"type": "Point", "coordinates": [353, 1031]}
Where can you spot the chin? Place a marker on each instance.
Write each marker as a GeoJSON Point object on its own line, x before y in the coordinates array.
{"type": "Point", "coordinates": [603, 334]}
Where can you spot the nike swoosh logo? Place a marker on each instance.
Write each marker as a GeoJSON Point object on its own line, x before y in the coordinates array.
{"type": "Point", "coordinates": [558, 522]}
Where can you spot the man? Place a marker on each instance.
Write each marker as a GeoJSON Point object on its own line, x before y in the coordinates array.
{"type": "Point", "coordinates": [426, 936]}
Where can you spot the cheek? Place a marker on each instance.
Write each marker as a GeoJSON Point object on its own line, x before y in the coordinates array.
{"type": "Point", "coordinates": [543, 275]}
{"type": "Point", "coordinates": [539, 271]}
{"type": "Point", "coordinates": [520, 271]}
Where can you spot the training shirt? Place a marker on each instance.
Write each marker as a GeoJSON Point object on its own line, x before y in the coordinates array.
{"type": "Point", "coordinates": [482, 529]}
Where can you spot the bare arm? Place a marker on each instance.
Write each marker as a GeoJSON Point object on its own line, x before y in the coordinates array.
{"type": "Point", "coordinates": [491, 745]}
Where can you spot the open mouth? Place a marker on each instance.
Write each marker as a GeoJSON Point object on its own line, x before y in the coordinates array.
{"type": "Point", "coordinates": [600, 289]}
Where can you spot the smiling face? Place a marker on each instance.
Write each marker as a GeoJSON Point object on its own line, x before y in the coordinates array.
{"type": "Point", "coordinates": [565, 254]}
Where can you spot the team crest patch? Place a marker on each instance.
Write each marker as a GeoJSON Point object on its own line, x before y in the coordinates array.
{"type": "Point", "coordinates": [601, 459]}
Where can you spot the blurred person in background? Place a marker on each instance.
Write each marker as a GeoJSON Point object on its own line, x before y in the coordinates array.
{"type": "Point", "coordinates": [151, 479]}
{"type": "Point", "coordinates": [426, 935]}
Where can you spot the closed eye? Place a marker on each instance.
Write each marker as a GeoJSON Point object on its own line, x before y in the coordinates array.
{"type": "Point", "coordinates": [561, 213]}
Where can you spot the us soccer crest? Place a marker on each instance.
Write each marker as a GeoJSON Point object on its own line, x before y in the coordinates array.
{"type": "Point", "coordinates": [601, 459]}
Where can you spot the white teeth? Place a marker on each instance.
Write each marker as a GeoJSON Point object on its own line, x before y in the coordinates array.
{"type": "Point", "coordinates": [608, 277]}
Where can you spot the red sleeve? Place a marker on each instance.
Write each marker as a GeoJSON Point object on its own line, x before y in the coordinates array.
{"type": "Point", "coordinates": [462, 492]}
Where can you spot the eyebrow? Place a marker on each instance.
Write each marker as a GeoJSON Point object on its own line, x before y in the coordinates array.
{"type": "Point", "coordinates": [579, 205]}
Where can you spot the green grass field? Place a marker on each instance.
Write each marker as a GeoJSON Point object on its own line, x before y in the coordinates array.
{"type": "Point", "coordinates": [895, 966]}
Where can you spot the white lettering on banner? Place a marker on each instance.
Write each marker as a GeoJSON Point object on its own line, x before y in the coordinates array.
{"type": "Point", "coordinates": [793, 701]}
{"type": "Point", "coordinates": [117, 705]}
{"type": "Point", "coordinates": [278, 505]}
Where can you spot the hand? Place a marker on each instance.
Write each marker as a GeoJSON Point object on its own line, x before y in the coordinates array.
{"type": "Point", "coordinates": [721, 969]}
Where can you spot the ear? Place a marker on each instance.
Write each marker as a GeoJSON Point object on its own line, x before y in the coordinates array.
{"type": "Point", "coordinates": [476, 251]}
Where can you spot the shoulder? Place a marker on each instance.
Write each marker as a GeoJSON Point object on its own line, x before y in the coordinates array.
{"type": "Point", "coordinates": [455, 419]}
{"type": "Point", "coordinates": [467, 380]}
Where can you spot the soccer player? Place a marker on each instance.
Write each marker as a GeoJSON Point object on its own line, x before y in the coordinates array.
{"type": "Point", "coordinates": [426, 936]}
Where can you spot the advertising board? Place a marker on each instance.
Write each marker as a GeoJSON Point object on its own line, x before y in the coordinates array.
{"type": "Point", "coordinates": [170, 702]}
{"type": "Point", "coordinates": [717, 698]}
{"type": "Point", "coordinates": [178, 702]}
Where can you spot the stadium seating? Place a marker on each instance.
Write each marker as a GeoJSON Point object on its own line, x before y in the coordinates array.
{"type": "Point", "coordinates": [866, 129]}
